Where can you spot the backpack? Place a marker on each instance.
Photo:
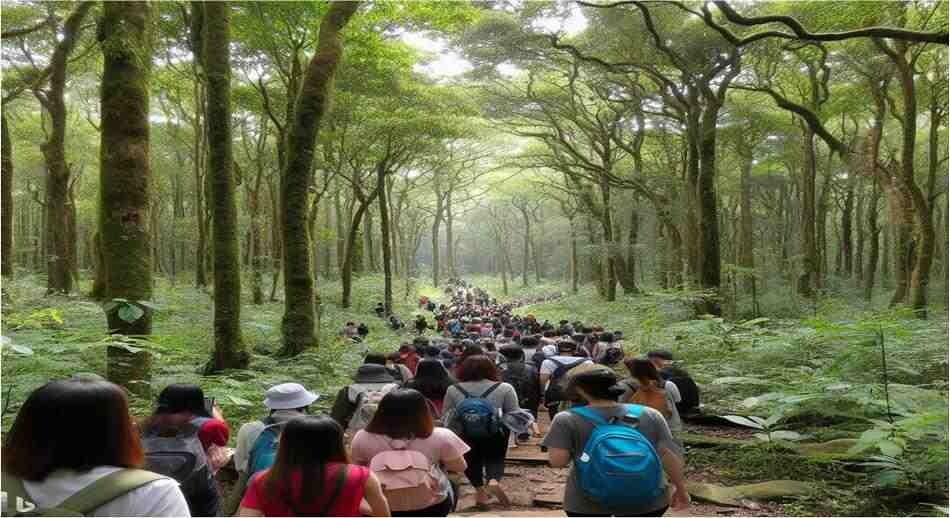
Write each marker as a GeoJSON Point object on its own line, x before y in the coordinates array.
{"type": "Point", "coordinates": [409, 481]}
{"type": "Point", "coordinates": [80, 503]}
{"type": "Point", "coordinates": [612, 356]}
{"type": "Point", "coordinates": [183, 458]}
{"type": "Point", "coordinates": [264, 451]}
{"type": "Point", "coordinates": [476, 417]}
{"type": "Point", "coordinates": [524, 378]}
{"type": "Point", "coordinates": [687, 387]}
{"type": "Point", "coordinates": [619, 468]}
{"type": "Point", "coordinates": [366, 404]}
{"type": "Point", "coordinates": [538, 358]}
{"type": "Point", "coordinates": [655, 399]}
{"type": "Point", "coordinates": [555, 392]}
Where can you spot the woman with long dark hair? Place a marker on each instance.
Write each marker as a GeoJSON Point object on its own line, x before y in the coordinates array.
{"type": "Point", "coordinates": [432, 380]}
{"type": "Point", "coordinates": [77, 435]}
{"type": "Point", "coordinates": [402, 423]}
{"type": "Point", "coordinates": [312, 476]}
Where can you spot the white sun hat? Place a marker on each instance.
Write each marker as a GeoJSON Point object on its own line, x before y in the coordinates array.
{"type": "Point", "coordinates": [288, 395]}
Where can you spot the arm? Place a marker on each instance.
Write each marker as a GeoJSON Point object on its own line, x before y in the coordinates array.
{"type": "Point", "coordinates": [559, 457]}
{"type": "Point", "coordinates": [673, 466]}
{"type": "Point", "coordinates": [455, 465]}
{"type": "Point", "coordinates": [373, 494]}
{"type": "Point", "coordinates": [510, 403]}
{"type": "Point", "coordinates": [544, 380]}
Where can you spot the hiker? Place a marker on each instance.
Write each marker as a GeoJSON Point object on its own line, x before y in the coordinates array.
{"type": "Point", "coordinates": [362, 330]}
{"type": "Point", "coordinates": [526, 381]}
{"type": "Point", "coordinates": [380, 310]}
{"type": "Point", "coordinates": [402, 433]}
{"type": "Point", "coordinates": [255, 451]}
{"type": "Point", "coordinates": [421, 324]}
{"type": "Point", "coordinates": [474, 407]}
{"type": "Point", "coordinates": [355, 403]}
{"type": "Point", "coordinates": [350, 331]}
{"type": "Point", "coordinates": [689, 391]}
{"type": "Point", "coordinates": [409, 356]}
{"type": "Point", "coordinates": [432, 380]}
{"type": "Point", "coordinates": [606, 350]}
{"type": "Point", "coordinates": [55, 450]}
{"type": "Point", "coordinates": [593, 436]}
{"type": "Point", "coordinates": [553, 370]}
{"type": "Point", "coordinates": [185, 426]}
{"type": "Point", "coordinates": [313, 477]}
{"type": "Point", "coordinates": [648, 388]}
{"type": "Point", "coordinates": [395, 324]}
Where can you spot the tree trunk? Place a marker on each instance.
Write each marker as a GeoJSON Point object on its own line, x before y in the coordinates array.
{"type": "Point", "coordinates": [369, 250]}
{"type": "Point", "coordinates": [808, 281]}
{"type": "Point", "coordinates": [436, 246]}
{"type": "Point", "coordinates": [124, 182]}
{"type": "Point", "coordinates": [857, 269]}
{"type": "Point", "coordinates": [575, 271]}
{"type": "Point", "coordinates": [526, 253]}
{"type": "Point", "coordinates": [594, 259]}
{"type": "Point", "coordinates": [385, 239]}
{"type": "Point", "coordinates": [847, 252]}
{"type": "Point", "coordinates": [746, 257]}
{"type": "Point", "coordinates": [298, 324]}
{"type": "Point", "coordinates": [709, 216]}
{"type": "Point", "coordinates": [277, 246]}
{"type": "Point", "coordinates": [6, 202]}
{"type": "Point", "coordinates": [349, 256]}
{"type": "Point", "coordinates": [450, 235]}
{"type": "Point", "coordinates": [873, 241]}
{"type": "Point", "coordinates": [229, 351]}
{"type": "Point", "coordinates": [631, 263]}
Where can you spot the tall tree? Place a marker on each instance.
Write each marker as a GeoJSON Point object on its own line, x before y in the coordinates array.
{"type": "Point", "coordinates": [229, 351]}
{"type": "Point", "coordinates": [124, 184]}
{"type": "Point", "coordinates": [298, 325]}
{"type": "Point", "coordinates": [6, 177]}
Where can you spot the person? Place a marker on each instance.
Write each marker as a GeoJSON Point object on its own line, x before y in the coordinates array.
{"type": "Point", "coordinates": [354, 403]}
{"type": "Point", "coordinates": [409, 356]}
{"type": "Point", "coordinates": [313, 477]}
{"type": "Point", "coordinates": [394, 365]}
{"type": "Point", "coordinates": [647, 387]}
{"type": "Point", "coordinates": [553, 370]}
{"type": "Point", "coordinates": [47, 459]}
{"type": "Point", "coordinates": [685, 385]}
{"type": "Point", "coordinates": [182, 415]}
{"type": "Point", "coordinates": [432, 380]}
{"type": "Point", "coordinates": [284, 402]}
{"type": "Point", "coordinates": [380, 310]}
{"type": "Point", "coordinates": [525, 378]}
{"type": "Point", "coordinates": [395, 324]}
{"type": "Point", "coordinates": [362, 330]}
{"type": "Point", "coordinates": [350, 331]}
{"type": "Point", "coordinates": [478, 379]}
{"type": "Point", "coordinates": [421, 324]}
{"type": "Point", "coordinates": [567, 440]}
{"type": "Point", "coordinates": [403, 422]}
{"type": "Point", "coordinates": [606, 351]}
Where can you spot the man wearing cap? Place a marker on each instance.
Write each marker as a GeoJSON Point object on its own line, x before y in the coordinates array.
{"type": "Point", "coordinates": [554, 368]}
{"type": "Point", "coordinates": [370, 377]}
{"type": "Point", "coordinates": [285, 402]}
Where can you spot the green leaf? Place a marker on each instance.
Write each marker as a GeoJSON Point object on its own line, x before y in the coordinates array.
{"type": "Point", "coordinates": [19, 349]}
{"type": "Point", "coordinates": [742, 421]}
{"type": "Point", "coordinates": [130, 313]}
{"type": "Point", "coordinates": [110, 306]}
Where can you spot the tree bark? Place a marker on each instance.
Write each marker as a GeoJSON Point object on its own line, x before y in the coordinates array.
{"type": "Point", "coordinates": [229, 351]}
{"type": "Point", "coordinates": [847, 252]}
{"type": "Point", "coordinates": [436, 245]}
{"type": "Point", "coordinates": [746, 257]}
{"type": "Point", "coordinates": [450, 235]}
{"type": "Point", "coordinates": [6, 210]}
{"type": "Point", "coordinates": [298, 324]}
{"type": "Point", "coordinates": [352, 243]}
{"type": "Point", "coordinates": [808, 281]}
{"type": "Point", "coordinates": [384, 227]}
{"type": "Point", "coordinates": [873, 242]}
{"type": "Point", "coordinates": [857, 269]}
{"type": "Point", "coordinates": [575, 271]}
{"type": "Point", "coordinates": [124, 181]}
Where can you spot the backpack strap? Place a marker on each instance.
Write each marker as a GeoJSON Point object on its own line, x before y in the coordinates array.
{"type": "Point", "coordinates": [490, 390]}
{"type": "Point", "coordinates": [107, 489]}
{"type": "Point", "coordinates": [341, 476]}
{"type": "Point", "coordinates": [589, 414]}
{"type": "Point", "coordinates": [464, 392]}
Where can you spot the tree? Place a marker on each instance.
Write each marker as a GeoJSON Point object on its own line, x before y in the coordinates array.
{"type": "Point", "coordinates": [6, 176]}
{"type": "Point", "coordinates": [124, 184]}
{"type": "Point", "coordinates": [229, 351]}
{"type": "Point", "coordinates": [312, 103]}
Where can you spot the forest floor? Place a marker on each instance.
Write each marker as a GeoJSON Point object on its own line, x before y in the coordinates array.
{"type": "Point", "coordinates": [813, 369]}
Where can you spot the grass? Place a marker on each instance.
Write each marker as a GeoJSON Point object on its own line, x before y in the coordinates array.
{"type": "Point", "coordinates": [817, 366]}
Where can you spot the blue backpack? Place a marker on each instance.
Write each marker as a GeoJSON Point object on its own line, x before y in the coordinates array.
{"type": "Point", "coordinates": [264, 451]}
{"type": "Point", "coordinates": [476, 417]}
{"type": "Point", "coordinates": [619, 467]}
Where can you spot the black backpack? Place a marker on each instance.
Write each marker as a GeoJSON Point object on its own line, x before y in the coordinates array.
{"type": "Point", "coordinates": [538, 358]}
{"type": "Point", "coordinates": [178, 454]}
{"type": "Point", "coordinates": [555, 392]}
{"type": "Point", "coordinates": [689, 391]}
{"type": "Point", "coordinates": [524, 378]}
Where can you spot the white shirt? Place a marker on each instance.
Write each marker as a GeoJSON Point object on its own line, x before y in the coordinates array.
{"type": "Point", "coordinates": [159, 498]}
{"type": "Point", "coordinates": [548, 366]}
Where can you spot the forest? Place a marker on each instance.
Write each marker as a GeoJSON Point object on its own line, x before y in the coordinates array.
{"type": "Point", "coordinates": [206, 192]}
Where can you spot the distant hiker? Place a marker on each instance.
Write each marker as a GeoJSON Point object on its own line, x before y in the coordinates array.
{"type": "Point", "coordinates": [474, 408]}
{"type": "Point", "coordinates": [423, 301]}
{"type": "Point", "coordinates": [553, 370]}
{"type": "Point", "coordinates": [356, 403]}
{"type": "Point", "coordinates": [409, 357]}
{"type": "Point", "coordinates": [432, 380]}
{"type": "Point", "coordinates": [410, 456]}
{"type": "Point", "coordinates": [648, 388]}
{"type": "Point", "coordinates": [312, 477]}
{"type": "Point", "coordinates": [182, 433]}
{"type": "Point", "coordinates": [380, 310]}
{"type": "Point", "coordinates": [256, 450]}
{"type": "Point", "coordinates": [525, 379]}
{"type": "Point", "coordinates": [393, 364]}
{"type": "Point", "coordinates": [362, 330]}
{"type": "Point", "coordinates": [75, 438]}
{"type": "Point", "coordinates": [421, 324]}
{"type": "Point", "coordinates": [395, 324]}
{"type": "Point", "coordinates": [689, 391]}
{"type": "Point", "coordinates": [431, 306]}
{"type": "Point", "coordinates": [610, 445]}
{"type": "Point", "coordinates": [606, 350]}
{"type": "Point", "coordinates": [350, 331]}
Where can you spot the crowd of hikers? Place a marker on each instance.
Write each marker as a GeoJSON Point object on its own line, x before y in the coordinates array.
{"type": "Point", "coordinates": [399, 440]}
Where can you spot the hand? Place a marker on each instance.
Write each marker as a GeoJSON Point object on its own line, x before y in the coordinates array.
{"type": "Point", "coordinates": [679, 499]}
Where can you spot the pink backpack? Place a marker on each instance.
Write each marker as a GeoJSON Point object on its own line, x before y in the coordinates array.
{"type": "Point", "coordinates": [409, 481]}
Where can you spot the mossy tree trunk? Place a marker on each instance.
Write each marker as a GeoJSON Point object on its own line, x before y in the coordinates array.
{"type": "Point", "coordinates": [124, 181]}
{"type": "Point", "coordinates": [229, 351]}
{"type": "Point", "coordinates": [6, 202]}
{"type": "Point", "coordinates": [384, 227]}
{"type": "Point", "coordinates": [312, 104]}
